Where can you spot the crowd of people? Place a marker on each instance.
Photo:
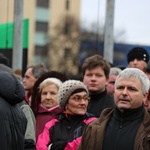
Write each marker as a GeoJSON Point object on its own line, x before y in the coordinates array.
{"type": "Point", "coordinates": [108, 108]}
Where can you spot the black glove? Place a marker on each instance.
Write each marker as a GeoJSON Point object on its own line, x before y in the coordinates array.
{"type": "Point", "coordinates": [59, 145]}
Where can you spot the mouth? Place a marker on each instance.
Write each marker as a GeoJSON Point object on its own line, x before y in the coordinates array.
{"type": "Point", "coordinates": [81, 108]}
{"type": "Point", "coordinates": [124, 100]}
{"type": "Point", "coordinates": [93, 85]}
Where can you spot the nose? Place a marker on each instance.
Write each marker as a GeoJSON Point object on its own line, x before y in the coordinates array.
{"type": "Point", "coordinates": [135, 61]}
{"type": "Point", "coordinates": [93, 77]}
{"type": "Point", "coordinates": [124, 92]}
{"type": "Point", "coordinates": [48, 96]}
{"type": "Point", "coordinates": [83, 101]}
{"type": "Point", "coordinates": [23, 80]}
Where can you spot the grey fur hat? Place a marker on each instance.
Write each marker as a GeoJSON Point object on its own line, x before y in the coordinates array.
{"type": "Point", "coordinates": [66, 90]}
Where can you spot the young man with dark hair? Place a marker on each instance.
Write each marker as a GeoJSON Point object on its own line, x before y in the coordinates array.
{"type": "Point", "coordinates": [95, 76]}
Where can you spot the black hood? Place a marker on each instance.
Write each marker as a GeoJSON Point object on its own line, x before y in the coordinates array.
{"type": "Point", "coordinates": [11, 88]}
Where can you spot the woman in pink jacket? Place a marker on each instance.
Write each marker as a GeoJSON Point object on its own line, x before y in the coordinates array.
{"type": "Point", "coordinates": [65, 132]}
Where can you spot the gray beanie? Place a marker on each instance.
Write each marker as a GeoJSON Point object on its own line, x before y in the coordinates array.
{"type": "Point", "coordinates": [66, 89]}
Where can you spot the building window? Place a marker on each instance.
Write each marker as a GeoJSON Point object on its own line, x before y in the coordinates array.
{"type": "Point", "coordinates": [42, 26]}
{"type": "Point", "coordinates": [43, 3]}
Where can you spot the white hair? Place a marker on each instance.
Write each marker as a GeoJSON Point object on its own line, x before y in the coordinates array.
{"type": "Point", "coordinates": [138, 74]}
{"type": "Point", "coordinates": [55, 81]}
{"type": "Point", "coordinates": [114, 71]}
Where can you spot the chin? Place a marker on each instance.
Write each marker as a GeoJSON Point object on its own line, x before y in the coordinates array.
{"type": "Point", "coordinates": [93, 90]}
{"type": "Point", "coordinates": [122, 107]}
{"type": "Point", "coordinates": [81, 113]}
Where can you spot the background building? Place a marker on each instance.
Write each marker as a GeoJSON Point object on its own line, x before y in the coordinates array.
{"type": "Point", "coordinates": [44, 17]}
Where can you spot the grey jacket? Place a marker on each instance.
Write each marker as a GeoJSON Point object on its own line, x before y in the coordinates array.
{"type": "Point", "coordinates": [30, 140]}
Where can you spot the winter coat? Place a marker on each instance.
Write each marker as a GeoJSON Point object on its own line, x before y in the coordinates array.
{"type": "Point", "coordinates": [12, 120]}
{"type": "Point", "coordinates": [45, 115]}
{"type": "Point", "coordinates": [64, 133]}
{"type": "Point", "coordinates": [93, 134]}
{"type": "Point", "coordinates": [30, 139]}
{"type": "Point", "coordinates": [98, 102]}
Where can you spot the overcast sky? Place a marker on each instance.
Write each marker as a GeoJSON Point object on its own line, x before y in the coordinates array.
{"type": "Point", "coordinates": [132, 16]}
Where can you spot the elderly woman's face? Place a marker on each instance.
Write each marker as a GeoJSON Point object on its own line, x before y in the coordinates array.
{"type": "Point", "coordinates": [49, 96]}
{"type": "Point", "coordinates": [77, 103]}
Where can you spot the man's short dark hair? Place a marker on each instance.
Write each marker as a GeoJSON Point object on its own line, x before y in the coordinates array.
{"type": "Point", "coordinates": [96, 61]}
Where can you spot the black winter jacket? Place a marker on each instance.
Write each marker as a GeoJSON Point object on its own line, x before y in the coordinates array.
{"type": "Point", "coordinates": [12, 119]}
{"type": "Point", "coordinates": [98, 102]}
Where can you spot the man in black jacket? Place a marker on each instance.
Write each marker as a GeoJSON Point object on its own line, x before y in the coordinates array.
{"type": "Point", "coordinates": [12, 120]}
{"type": "Point", "coordinates": [127, 127]}
{"type": "Point", "coordinates": [95, 76]}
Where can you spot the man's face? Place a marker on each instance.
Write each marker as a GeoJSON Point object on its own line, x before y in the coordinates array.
{"type": "Point", "coordinates": [110, 84]}
{"type": "Point", "coordinates": [95, 80]}
{"type": "Point", "coordinates": [136, 63]}
{"type": "Point", "coordinates": [128, 93]}
{"type": "Point", "coordinates": [29, 80]}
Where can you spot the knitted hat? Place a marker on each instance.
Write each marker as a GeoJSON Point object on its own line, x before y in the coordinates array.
{"type": "Point", "coordinates": [138, 53]}
{"type": "Point", "coordinates": [66, 90]}
{"type": "Point", "coordinates": [52, 80]}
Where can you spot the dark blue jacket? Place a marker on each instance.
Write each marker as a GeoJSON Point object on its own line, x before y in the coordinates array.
{"type": "Point", "coordinates": [12, 119]}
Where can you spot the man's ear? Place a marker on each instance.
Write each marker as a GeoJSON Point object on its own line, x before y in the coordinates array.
{"type": "Point", "coordinates": [145, 97]}
{"type": "Point", "coordinates": [106, 82]}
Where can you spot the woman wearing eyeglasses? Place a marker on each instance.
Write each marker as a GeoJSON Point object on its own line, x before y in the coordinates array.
{"type": "Point", "coordinates": [65, 132]}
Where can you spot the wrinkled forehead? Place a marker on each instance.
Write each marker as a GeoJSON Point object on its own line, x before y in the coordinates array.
{"type": "Point", "coordinates": [125, 80]}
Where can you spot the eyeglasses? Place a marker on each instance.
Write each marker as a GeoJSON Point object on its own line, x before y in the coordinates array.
{"type": "Point", "coordinates": [78, 98]}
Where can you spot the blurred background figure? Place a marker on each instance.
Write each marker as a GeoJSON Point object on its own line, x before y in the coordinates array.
{"type": "Point", "coordinates": [18, 74]}
{"type": "Point", "coordinates": [4, 60]}
{"type": "Point", "coordinates": [12, 120]}
{"type": "Point", "coordinates": [31, 75]}
{"type": "Point", "coordinates": [4, 63]}
{"type": "Point", "coordinates": [114, 71]}
{"type": "Point", "coordinates": [147, 70]}
{"type": "Point", "coordinates": [147, 101]}
{"type": "Point", "coordinates": [65, 132]}
{"type": "Point", "coordinates": [138, 57]}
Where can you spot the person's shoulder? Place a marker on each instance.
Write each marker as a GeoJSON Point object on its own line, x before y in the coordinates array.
{"type": "Point", "coordinates": [89, 117]}
{"type": "Point", "coordinates": [106, 113]}
{"type": "Point", "coordinates": [109, 96]}
{"type": "Point", "coordinates": [6, 68]}
{"type": "Point", "coordinates": [56, 110]}
{"type": "Point", "coordinates": [51, 123]}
